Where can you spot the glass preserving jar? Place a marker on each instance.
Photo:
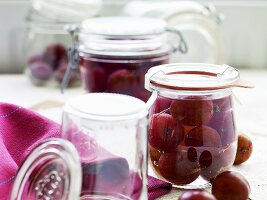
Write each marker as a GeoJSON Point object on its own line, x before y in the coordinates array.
{"type": "Point", "coordinates": [110, 133]}
{"type": "Point", "coordinates": [51, 171]}
{"type": "Point", "coordinates": [47, 41]}
{"type": "Point", "coordinates": [198, 22]}
{"type": "Point", "coordinates": [116, 52]}
{"type": "Point", "coordinates": [192, 132]}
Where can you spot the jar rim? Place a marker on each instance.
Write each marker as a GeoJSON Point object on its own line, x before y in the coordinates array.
{"type": "Point", "coordinates": [106, 107]}
{"type": "Point", "coordinates": [165, 50]}
{"type": "Point", "coordinates": [132, 58]}
{"type": "Point", "coordinates": [101, 37]}
{"type": "Point", "coordinates": [47, 27]}
{"type": "Point", "coordinates": [191, 77]}
{"type": "Point", "coordinates": [123, 26]}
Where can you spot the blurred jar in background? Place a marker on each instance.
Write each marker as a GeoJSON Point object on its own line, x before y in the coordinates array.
{"type": "Point", "coordinates": [116, 52]}
{"type": "Point", "coordinates": [47, 42]}
{"type": "Point", "coordinates": [199, 25]}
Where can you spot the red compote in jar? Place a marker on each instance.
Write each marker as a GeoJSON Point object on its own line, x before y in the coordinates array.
{"type": "Point", "coordinates": [116, 52]}
{"type": "Point", "coordinates": [192, 135]}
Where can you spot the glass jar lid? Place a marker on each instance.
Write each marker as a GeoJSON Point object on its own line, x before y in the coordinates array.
{"type": "Point", "coordinates": [106, 107]}
{"type": "Point", "coordinates": [123, 37]}
{"type": "Point", "coordinates": [51, 171]}
{"type": "Point", "coordinates": [192, 76]}
{"type": "Point", "coordinates": [123, 26]}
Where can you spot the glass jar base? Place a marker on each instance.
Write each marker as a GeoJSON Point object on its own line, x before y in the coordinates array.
{"type": "Point", "coordinates": [102, 196]}
{"type": "Point", "coordinates": [200, 183]}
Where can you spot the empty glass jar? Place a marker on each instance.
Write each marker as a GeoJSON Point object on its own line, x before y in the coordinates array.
{"type": "Point", "coordinates": [47, 41]}
{"type": "Point", "coordinates": [116, 52]}
{"type": "Point", "coordinates": [192, 133]}
{"type": "Point", "coordinates": [110, 133]}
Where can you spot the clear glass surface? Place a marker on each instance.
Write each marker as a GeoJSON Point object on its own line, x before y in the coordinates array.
{"type": "Point", "coordinates": [192, 138]}
{"type": "Point", "coordinates": [115, 53]}
{"type": "Point", "coordinates": [51, 171]}
{"type": "Point", "coordinates": [47, 41]}
{"type": "Point", "coordinates": [46, 57]}
{"type": "Point", "coordinates": [124, 75]}
{"type": "Point", "coordinates": [192, 133]}
{"type": "Point", "coordinates": [191, 77]}
{"type": "Point", "coordinates": [109, 132]}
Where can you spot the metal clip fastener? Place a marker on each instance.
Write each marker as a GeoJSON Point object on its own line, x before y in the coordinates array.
{"type": "Point", "coordinates": [182, 47]}
{"type": "Point", "coordinates": [213, 14]}
{"type": "Point", "coordinates": [227, 68]}
{"type": "Point", "coordinates": [72, 55]}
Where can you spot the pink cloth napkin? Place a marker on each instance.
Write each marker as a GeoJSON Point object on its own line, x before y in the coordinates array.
{"type": "Point", "coordinates": [21, 130]}
{"type": "Point", "coordinates": [157, 188]}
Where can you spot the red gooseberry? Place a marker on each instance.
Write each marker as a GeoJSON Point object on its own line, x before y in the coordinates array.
{"type": "Point", "coordinates": [192, 111]}
{"type": "Point", "coordinates": [176, 168]}
{"type": "Point", "coordinates": [196, 195]}
{"type": "Point", "coordinates": [60, 72]}
{"type": "Point", "coordinates": [230, 185]}
{"type": "Point", "coordinates": [165, 133]}
{"type": "Point", "coordinates": [203, 136]}
{"type": "Point", "coordinates": [161, 104]}
{"type": "Point", "coordinates": [244, 149]}
{"type": "Point", "coordinates": [55, 54]}
{"type": "Point", "coordinates": [40, 70]}
{"type": "Point", "coordinates": [215, 163]}
{"type": "Point", "coordinates": [122, 81]}
{"type": "Point", "coordinates": [154, 153]}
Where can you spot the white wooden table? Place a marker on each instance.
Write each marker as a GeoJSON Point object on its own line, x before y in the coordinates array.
{"type": "Point", "coordinates": [251, 116]}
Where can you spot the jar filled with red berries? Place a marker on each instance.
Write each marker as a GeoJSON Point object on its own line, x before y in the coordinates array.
{"type": "Point", "coordinates": [192, 132]}
{"type": "Point", "coordinates": [116, 52]}
{"type": "Point", "coordinates": [47, 40]}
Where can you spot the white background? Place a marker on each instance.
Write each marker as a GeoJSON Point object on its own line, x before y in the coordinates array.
{"type": "Point", "coordinates": [244, 31]}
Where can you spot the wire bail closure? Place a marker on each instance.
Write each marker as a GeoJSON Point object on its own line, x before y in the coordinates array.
{"type": "Point", "coordinates": [214, 14]}
{"type": "Point", "coordinates": [182, 46]}
{"type": "Point", "coordinates": [72, 55]}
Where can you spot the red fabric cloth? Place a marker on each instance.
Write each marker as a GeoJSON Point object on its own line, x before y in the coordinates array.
{"type": "Point", "coordinates": [157, 188]}
{"type": "Point", "coordinates": [21, 130]}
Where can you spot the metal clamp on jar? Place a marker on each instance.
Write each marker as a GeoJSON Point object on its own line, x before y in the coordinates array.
{"type": "Point", "coordinates": [115, 53]}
